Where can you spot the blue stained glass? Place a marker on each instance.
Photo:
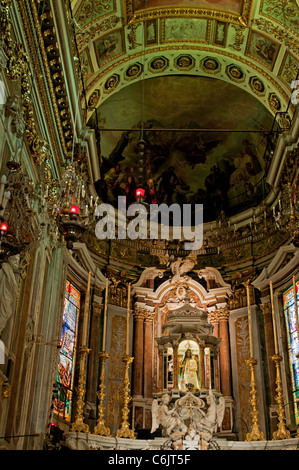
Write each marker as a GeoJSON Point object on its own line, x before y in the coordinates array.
{"type": "Point", "coordinates": [67, 353]}
{"type": "Point", "coordinates": [293, 344]}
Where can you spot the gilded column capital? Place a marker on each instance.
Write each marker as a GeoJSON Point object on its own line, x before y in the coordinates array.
{"type": "Point", "coordinates": [149, 317]}
{"type": "Point", "coordinates": [139, 313]}
{"type": "Point", "coordinates": [223, 314]}
{"type": "Point", "coordinates": [213, 318]}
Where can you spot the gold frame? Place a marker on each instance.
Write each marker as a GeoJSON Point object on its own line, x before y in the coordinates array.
{"type": "Point", "coordinates": [214, 43]}
{"type": "Point", "coordinates": [155, 43]}
{"type": "Point", "coordinates": [116, 55]}
{"type": "Point", "coordinates": [253, 31]}
{"type": "Point", "coordinates": [282, 64]}
{"type": "Point", "coordinates": [174, 41]}
{"type": "Point", "coordinates": [131, 16]}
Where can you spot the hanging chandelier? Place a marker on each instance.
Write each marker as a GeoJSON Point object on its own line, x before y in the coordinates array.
{"type": "Point", "coordinates": [75, 209]}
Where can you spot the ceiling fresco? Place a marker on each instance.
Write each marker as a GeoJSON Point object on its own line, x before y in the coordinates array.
{"type": "Point", "coordinates": [205, 64]}
{"type": "Point", "coordinates": [221, 166]}
{"type": "Point", "coordinates": [232, 5]}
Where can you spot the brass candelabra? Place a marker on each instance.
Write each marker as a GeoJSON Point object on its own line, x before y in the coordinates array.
{"type": "Point", "coordinates": [124, 430]}
{"type": "Point", "coordinates": [255, 434]}
{"type": "Point", "coordinates": [100, 428]}
{"type": "Point", "coordinates": [282, 432]}
{"type": "Point", "coordinates": [78, 424]}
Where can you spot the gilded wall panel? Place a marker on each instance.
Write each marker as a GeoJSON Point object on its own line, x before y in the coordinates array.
{"type": "Point", "coordinates": [116, 372]}
{"type": "Point", "coordinates": [243, 373]}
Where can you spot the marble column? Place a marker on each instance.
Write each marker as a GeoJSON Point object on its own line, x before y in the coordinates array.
{"type": "Point", "coordinates": [202, 367]}
{"type": "Point", "coordinates": [224, 353]}
{"type": "Point", "coordinates": [137, 386]}
{"type": "Point", "coordinates": [160, 355]}
{"type": "Point", "coordinates": [175, 367]}
{"type": "Point", "coordinates": [148, 355]}
{"type": "Point", "coordinates": [216, 368]}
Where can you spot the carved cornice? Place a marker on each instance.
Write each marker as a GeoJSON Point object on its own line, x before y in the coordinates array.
{"type": "Point", "coordinates": [243, 17]}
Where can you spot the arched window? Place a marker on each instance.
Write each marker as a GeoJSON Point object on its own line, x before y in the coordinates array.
{"type": "Point", "coordinates": [67, 354]}
{"type": "Point", "coordinates": [293, 342]}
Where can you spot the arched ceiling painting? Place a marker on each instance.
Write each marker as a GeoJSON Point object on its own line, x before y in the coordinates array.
{"type": "Point", "coordinates": [219, 168]}
{"type": "Point", "coordinates": [206, 64]}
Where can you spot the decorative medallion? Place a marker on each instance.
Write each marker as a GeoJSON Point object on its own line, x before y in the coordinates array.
{"type": "Point", "coordinates": [257, 86]}
{"type": "Point", "coordinates": [184, 62]}
{"type": "Point", "coordinates": [94, 99]}
{"type": "Point", "coordinates": [235, 73]}
{"type": "Point", "coordinates": [133, 71]}
{"type": "Point", "coordinates": [111, 83]}
{"type": "Point", "coordinates": [274, 102]}
{"type": "Point", "coordinates": [158, 64]}
{"type": "Point", "coordinates": [210, 65]}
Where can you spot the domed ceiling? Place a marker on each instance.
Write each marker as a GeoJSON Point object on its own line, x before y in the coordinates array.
{"type": "Point", "coordinates": [205, 78]}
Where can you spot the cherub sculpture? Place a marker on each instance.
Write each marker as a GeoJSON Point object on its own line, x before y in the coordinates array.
{"type": "Point", "coordinates": [162, 415]}
{"type": "Point", "coordinates": [207, 425]}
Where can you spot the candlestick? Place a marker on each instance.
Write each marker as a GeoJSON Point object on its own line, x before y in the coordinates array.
{"type": "Point", "coordinates": [105, 316]}
{"type": "Point", "coordinates": [249, 320]}
{"type": "Point", "coordinates": [273, 318]}
{"type": "Point", "coordinates": [100, 428]}
{"type": "Point", "coordinates": [125, 431]}
{"type": "Point", "coordinates": [86, 312]}
{"type": "Point", "coordinates": [128, 319]}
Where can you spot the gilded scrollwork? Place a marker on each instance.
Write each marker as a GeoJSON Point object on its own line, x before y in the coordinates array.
{"type": "Point", "coordinates": [18, 68]}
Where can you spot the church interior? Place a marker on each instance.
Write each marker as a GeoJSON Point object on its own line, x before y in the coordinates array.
{"type": "Point", "coordinates": [149, 333]}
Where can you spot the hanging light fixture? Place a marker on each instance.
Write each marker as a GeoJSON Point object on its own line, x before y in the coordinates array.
{"type": "Point", "coordinates": [75, 210]}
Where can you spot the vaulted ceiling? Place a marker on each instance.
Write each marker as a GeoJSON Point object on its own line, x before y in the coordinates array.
{"type": "Point", "coordinates": [176, 66]}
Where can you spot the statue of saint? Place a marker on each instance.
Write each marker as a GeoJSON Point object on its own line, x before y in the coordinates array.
{"type": "Point", "coordinates": [8, 290]}
{"type": "Point", "coordinates": [189, 372]}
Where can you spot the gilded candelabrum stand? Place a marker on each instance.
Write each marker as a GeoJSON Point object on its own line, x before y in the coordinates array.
{"type": "Point", "coordinates": [282, 432]}
{"type": "Point", "coordinates": [255, 434]}
{"type": "Point", "coordinates": [78, 424]}
{"type": "Point", "coordinates": [100, 428]}
{"type": "Point", "coordinates": [125, 430]}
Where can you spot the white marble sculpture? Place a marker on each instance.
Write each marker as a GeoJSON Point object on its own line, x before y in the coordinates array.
{"type": "Point", "coordinates": [190, 419]}
{"type": "Point", "coordinates": [8, 290]}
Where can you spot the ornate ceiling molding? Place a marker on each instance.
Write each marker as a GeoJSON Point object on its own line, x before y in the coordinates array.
{"type": "Point", "coordinates": [135, 15]}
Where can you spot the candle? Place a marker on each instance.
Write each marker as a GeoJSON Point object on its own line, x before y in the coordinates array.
{"type": "Point", "coordinates": [128, 319]}
{"type": "Point", "coordinates": [105, 316]}
{"type": "Point", "coordinates": [86, 312]}
{"type": "Point", "coordinates": [249, 320]}
{"type": "Point", "coordinates": [273, 317]}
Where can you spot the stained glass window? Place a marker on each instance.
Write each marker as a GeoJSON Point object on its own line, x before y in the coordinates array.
{"type": "Point", "coordinates": [67, 353]}
{"type": "Point", "coordinates": [293, 342]}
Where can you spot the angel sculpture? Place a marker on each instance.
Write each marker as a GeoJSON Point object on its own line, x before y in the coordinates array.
{"type": "Point", "coordinates": [207, 425]}
{"type": "Point", "coordinates": [162, 415]}
{"type": "Point", "coordinates": [180, 267]}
